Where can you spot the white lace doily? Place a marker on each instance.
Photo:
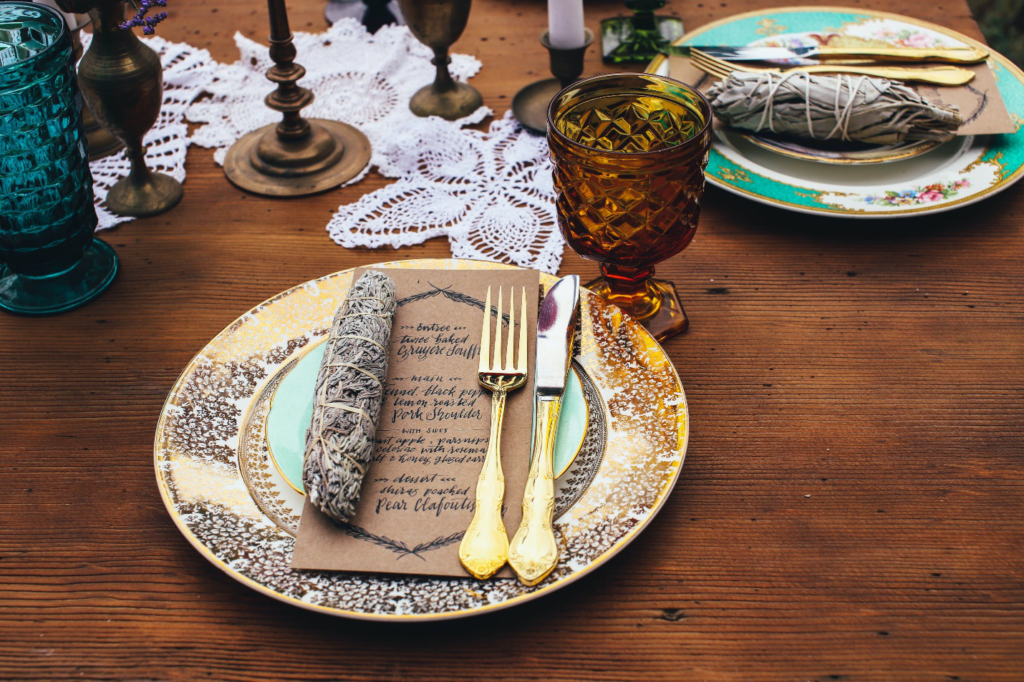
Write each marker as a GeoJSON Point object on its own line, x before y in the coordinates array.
{"type": "Point", "coordinates": [187, 71]}
{"type": "Point", "coordinates": [489, 193]}
{"type": "Point", "coordinates": [362, 79]}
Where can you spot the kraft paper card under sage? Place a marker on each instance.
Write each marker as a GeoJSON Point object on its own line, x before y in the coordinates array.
{"type": "Point", "coordinates": [420, 489]}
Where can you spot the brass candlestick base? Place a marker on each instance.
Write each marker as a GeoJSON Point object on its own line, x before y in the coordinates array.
{"type": "Point", "coordinates": [437, 24]}
{"type": "Point", "coordinates": [330, 156]}
{"type": "Point", "coordinates": [101, 144]}
{"type": "Point", "coordinates": [295, 157]}
{"type": "Point", "coordinates": [530, 105]}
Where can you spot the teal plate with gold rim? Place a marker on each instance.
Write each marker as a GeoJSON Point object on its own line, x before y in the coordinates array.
{"type": "Point", "coordinates": [959, 172]}
{"type": "Point", "coordinates": [291, 410]}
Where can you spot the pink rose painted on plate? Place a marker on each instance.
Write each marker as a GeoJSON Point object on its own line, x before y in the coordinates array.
{"type": "Point", "coordinates": [919, 196]}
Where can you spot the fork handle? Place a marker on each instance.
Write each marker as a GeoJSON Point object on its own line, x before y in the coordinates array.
{"type": "Point", "coordinates": [937, 75]}
{"type": "Point", "coordinates": [534, 551]}
{"type": "Point", "coordinates": [484, 548]}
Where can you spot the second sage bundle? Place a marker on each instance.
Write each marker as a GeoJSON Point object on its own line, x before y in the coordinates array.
{"type": "Point", "coordinates": [848, 108]}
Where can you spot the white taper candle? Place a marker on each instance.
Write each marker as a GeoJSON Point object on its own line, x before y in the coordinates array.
{"type": "Point", "coordinates": [565, 24]}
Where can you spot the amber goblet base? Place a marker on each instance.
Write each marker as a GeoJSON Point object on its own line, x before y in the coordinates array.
{"type": "Point", "coordinates": [655, 304]}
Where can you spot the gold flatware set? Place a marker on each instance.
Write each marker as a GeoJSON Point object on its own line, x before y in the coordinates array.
{"type": "Point", "coordinates": [533, 552]}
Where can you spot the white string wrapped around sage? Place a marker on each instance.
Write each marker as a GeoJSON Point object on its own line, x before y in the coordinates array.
{"type": "Point", "coordinates": [847, 108]}
{"type": "Point", "coordinates": [349, 393]}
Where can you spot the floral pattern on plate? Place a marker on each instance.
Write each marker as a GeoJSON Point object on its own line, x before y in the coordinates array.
{"type": "Point", "coordinates": [920, 195]}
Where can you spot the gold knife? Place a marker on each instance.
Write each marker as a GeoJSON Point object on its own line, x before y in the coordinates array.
{"type": "Point", "coordinates": [533, 552]}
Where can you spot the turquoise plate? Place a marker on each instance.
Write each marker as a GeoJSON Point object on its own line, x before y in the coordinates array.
{"type": "Point", "coordinates": [291, 410]}
{"type": "Point", "coordinates": [956, 173]}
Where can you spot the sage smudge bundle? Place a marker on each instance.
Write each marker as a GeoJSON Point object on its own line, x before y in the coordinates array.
{"type": "Point", "coordinates": [845, 108]}
{"type": "Point", "coordinates": [349, 393]}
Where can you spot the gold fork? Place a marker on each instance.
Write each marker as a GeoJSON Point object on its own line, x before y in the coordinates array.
{"type": "Point", "coordinates": [484, 548]}
{"type": "Point", "coordinates": [936, 75]}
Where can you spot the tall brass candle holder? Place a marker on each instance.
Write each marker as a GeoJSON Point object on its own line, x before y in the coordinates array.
{"type": "Point", "coordinates": [530, 105]}
{"type": "Point", "coordinates": [297, 156]}
{"type": "Point", "coordinates": [437, 24]}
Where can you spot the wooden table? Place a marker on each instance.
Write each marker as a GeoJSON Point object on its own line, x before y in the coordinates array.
{"type": "Point", "coordinates": [852, 505]}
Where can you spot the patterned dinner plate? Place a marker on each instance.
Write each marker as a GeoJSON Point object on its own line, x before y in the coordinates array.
{"type": "Point", "coordinates": [956, 173]}
{"type": "Point", "coordinates": [225, 495]}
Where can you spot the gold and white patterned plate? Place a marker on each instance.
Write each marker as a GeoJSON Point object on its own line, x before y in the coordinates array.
{"type": "Point", "coordinates": [224, 494]}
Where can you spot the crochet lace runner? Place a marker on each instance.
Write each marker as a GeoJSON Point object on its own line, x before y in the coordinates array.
{"type": "Point", "coordinates": [187, 71]}
{"type": "Point", "coordinates": [489, 193]}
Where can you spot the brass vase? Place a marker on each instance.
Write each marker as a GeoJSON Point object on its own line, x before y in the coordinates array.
{"type": "Point", "coordinates": [122, 82]}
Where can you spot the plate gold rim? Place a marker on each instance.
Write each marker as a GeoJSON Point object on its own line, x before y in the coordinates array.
{"type": "Point", "coordinates": [1003, 183]}
{"type": "Point", "coordinates": [668, 484]}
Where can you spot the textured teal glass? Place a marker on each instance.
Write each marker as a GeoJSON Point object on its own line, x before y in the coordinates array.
{"type": "Point", "coordinates": [49, 260]}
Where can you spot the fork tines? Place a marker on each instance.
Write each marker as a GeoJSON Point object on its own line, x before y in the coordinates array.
{"type": "Point", "coordinates": [712, 65]}
{"type": "Point", "coordinates": [495, 366]}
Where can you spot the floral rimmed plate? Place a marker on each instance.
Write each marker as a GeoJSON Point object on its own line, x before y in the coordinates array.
{"type": "Point", "coordinates": [231, 503]}
{"type": "Point", "coordinates": [960, 172]}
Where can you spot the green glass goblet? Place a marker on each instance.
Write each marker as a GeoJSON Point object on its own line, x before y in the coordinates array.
{"type": "Point", "coordinates": [641, 37]}
{"type": "Point", "coordinates": [50, 260]}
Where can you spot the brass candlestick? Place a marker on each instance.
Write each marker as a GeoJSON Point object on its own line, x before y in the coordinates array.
{"type": "Point", "coordinates": [297, 156]}
{"type": "Point", "coordinates": [437, 24]}
{"type": "Point", "coordinates": [530, 105]}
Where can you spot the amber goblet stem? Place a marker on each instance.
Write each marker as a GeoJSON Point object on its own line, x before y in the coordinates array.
{"type": "Point", "coordinates": [628, 288]}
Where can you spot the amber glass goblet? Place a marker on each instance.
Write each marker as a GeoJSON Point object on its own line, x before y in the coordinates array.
{"type": "Point", "coordinates": [629, 152]}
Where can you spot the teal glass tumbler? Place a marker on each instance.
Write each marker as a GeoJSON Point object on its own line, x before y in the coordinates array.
{"type": "Point", "coordinates": [49, 260]}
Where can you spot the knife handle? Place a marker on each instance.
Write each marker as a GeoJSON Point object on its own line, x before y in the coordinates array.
{"type": "Point", "coordinates": [484, 547]}
{"type": "Point", "coordinates": [951, 55]}
{"type": "Point", "coordinates": [534, 552]}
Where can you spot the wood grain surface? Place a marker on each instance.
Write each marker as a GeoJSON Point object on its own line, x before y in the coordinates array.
{"type": "Point", "coordinates": [852, 505]}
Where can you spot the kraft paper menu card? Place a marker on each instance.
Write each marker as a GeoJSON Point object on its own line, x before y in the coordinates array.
{"type": "Point", "coordinates": [419, 492]}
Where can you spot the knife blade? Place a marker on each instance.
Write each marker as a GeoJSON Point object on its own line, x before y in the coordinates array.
{"type": "Point", "coordinates": [556, 328]}
{"type": "Point", "coordinates": [949, 55]}
{"type": "Point", "coordinates": [533, 552]}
